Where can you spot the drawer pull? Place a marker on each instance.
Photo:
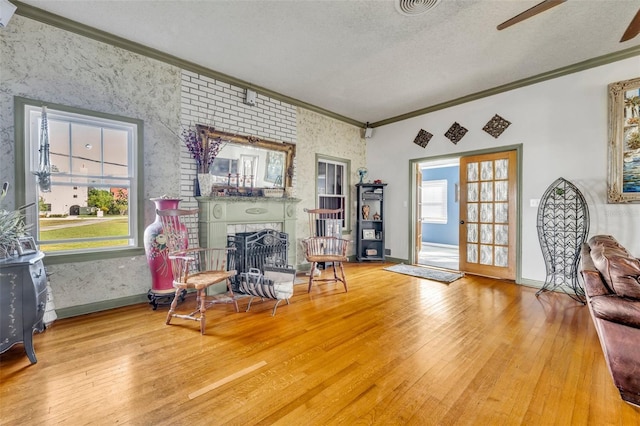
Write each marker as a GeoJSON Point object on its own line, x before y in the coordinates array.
{"type": "Point", "coordinates": [38, 275]}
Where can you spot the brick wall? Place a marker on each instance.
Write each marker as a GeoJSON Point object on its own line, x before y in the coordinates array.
{"type": "Point", "coordinates": [208, 101]}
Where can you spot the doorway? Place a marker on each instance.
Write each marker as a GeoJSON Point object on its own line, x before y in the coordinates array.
{"type": "Point", "coordinates": [478, 207]}
{"type": "Point", "coordinates": [437, 184]}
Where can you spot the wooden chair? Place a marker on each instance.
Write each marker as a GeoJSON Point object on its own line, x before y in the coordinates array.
{"type": "Point", "coordinates": [325, 244]}
{"type": "Point", "coordinates": [195, 267]}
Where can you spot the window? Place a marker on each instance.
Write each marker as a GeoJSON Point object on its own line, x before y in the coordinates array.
{"type": "Point", "coordinates": [332, 186]}
{"type": "Point", "coordinates": [434, 201]}
{"type": "Point", "coordinates": [95, 179]}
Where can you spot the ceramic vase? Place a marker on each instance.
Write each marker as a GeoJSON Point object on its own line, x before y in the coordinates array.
{"type": "Point", "coordinates": [155, 247]}
{"type": "Point", "coordinates": [205, 182]}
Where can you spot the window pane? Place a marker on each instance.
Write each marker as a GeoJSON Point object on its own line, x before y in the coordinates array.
{"type": "Point", "coordinates": [434, 201]}
{"type": "Point", "coordinates": [116, 152]}
{"type": "Point", "coordinates": [93, 186]}
{"type": "Point", "coordinates": [332, 183]}
{"type": "Point", "coordinates": [59, 146]}
{"type": "Point", "coordinates": [339, 177]}
{"type": "Point", "coordinates": [86, 150]}
{"type": "Point", "coordinates": [322, 177]}
{"type": "Point", "coordinates": [331, 178]}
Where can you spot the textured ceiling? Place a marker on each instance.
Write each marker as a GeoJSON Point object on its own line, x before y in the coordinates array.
{"type": "Point", "coordinates": [362, 59]}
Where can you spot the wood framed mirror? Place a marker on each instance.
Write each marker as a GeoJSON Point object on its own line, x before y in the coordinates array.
{"type": "Point", "coordinates": [269, 164]}
{"type": "Point", "coordinates": [624, 142]}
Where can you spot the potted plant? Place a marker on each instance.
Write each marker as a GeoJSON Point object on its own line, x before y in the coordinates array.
{"type": "Point", "coordinates": [12, 226]}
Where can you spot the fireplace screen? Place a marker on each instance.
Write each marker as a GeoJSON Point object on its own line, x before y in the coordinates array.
{"type": "Point", "coordinates": [267, 247]}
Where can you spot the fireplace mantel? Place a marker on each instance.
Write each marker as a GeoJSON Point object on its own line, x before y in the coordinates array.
{"type": "Point", "coordinates": [216, 213]}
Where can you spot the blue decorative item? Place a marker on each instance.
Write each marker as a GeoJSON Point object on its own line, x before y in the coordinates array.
{"type": "Point", "coordinates": [362, 172]}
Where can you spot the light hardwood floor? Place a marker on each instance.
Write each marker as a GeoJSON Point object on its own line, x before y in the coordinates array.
{"type": "Point", "coordinates": [394, 350]}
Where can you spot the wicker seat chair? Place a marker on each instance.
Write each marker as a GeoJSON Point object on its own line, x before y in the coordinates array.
{"type": "Point", "coordinates": [194, 267]}
{"type": "Point", "coordinates": [325, 244]}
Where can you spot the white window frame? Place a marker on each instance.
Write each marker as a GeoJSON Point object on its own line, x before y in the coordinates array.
{"type": "Point", "coordinates": [434, 201]}
{"type": "Point", "coordinates": [28, 112]}
{"type": "Point", "coordinates": [345, 185]}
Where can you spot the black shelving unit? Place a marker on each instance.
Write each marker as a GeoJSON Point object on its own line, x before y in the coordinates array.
{"type": "Point", "coordinates": [370, 234]}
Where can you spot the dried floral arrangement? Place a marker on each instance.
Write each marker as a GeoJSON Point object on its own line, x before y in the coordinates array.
{"type": "Point", "coordinates": [12, 226]}
{"type": "Point", "coordinates": [204, 150]}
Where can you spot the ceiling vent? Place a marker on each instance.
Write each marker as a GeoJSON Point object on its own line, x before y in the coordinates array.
{"type": "Point", "coordinates": [415, 7]}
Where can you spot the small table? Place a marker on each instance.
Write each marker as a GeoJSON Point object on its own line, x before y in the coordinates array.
{"type": "Point", "coordinates": [23, 299]}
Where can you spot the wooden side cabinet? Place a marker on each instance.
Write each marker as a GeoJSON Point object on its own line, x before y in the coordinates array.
{"type": "Point", "coordinates": [370, 233]}
{"type": "Point", "coordinates": [23, 299]}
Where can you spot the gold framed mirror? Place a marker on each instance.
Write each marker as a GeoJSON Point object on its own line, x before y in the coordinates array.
{"type": "Point", "coordinates": [265, 163]}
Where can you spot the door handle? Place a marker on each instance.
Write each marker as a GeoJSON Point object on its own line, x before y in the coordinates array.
{"type": "Point", "coordinates": [462, 222]}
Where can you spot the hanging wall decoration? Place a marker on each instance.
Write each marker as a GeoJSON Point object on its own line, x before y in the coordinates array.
{"type": "Point", "coordinates": [455, 132]}
{"type": "Point", "coordinates": [44, 169]}
{"type": "Point", "coordinates": [423, 138]}
{"type": "Point", "coordinates": [496, 126]}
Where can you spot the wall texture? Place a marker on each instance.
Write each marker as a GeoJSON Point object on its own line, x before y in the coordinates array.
{"type": "Point", "coordinates": [49, 64]}
{"type": "Point", "coordinates": [318, 134]}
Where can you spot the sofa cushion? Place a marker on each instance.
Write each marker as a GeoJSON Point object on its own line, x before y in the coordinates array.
{"type": "Point", "coordinates": [616, 309]}
{"type": "Point", "coordinates": [606, 241]}
{"type": "Point", "coordinates": [619, 270]}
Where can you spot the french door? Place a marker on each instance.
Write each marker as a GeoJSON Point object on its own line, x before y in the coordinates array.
{"type": "Point", "coordinates": [488, 192]}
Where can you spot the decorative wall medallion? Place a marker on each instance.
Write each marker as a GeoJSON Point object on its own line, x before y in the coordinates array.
{"type": "Point", "coordinates": [217, 211]}
{"type": "Point", "coordinates": [496, 126]}
{"type": "Point", "coordinates": [291, 210]}
{"type": "Point", "coordinates": [455, 132]}
{"type": "Point", "coordinates": [423, 138]}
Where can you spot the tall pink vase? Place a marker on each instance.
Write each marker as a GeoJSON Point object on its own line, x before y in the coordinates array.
{"type": "Point", "coordinates": [155, 247]}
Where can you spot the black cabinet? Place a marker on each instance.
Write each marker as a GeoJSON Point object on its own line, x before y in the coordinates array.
{"type": "Point", "coordinates": [370, 233]}
{"type": "Point", "coordinates": [23, 299]}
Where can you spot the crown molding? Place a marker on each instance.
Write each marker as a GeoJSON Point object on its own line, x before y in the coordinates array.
{"type": "Point", "coordinates": [569, 69]}
{"type": "Point", "coordinates": [57, 21]}
{"type": "Point", "coordinates": [66, 24]}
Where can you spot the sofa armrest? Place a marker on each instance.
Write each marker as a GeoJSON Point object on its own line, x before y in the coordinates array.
{"type": "Point", "coordinates": [617, 309]}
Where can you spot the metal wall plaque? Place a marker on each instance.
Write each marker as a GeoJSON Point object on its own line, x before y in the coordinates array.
{"type": "Point", "coordinates": [455, 132]}
{"type": "Point", "coordinates": [496, 126]}
{"type": "Point", "coordinates": [423, 138]}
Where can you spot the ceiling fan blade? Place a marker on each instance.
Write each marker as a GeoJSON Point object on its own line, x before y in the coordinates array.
{"type": "Point", "coordinates": [633, 29]}
{"type": "Point", "coordinates": [538, 8]}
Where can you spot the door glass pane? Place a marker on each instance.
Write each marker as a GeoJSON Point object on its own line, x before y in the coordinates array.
{"type": "Point", "coordinates": [472, 253]}
{"type": "Point", "coordinates": [472, 233]}
{"type": "Point", "coordinates": [502, 169]}
{"type": "Point", "coordinates": [501, 258]}
{"type": "Point", "coordinates": [502, 213]}
{"type": "Point", "coordinates": [502, 234]}
{"type": "Point", "coordinates": [472, 192]}
{"type": "Point", "coordinates": [486, 170]}
{"type": "Point", "coordinates": [472, 172]}
{"type": "Point", "coordinates": [486, 212]}
{"type": "Point", "coordinates": [486, 255]}
{"type": "Point", "coordinates": [472, 212]}
{"type": "Point", "coordinates": [486, 233]}
{"type": "Point", "coordinates": [502, 189]}
{"type": "Point", "coordinates": [486, 191]}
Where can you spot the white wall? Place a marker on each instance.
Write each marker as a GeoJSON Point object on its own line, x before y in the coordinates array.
{"type": "Point", "coordinates": [562, 126]}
